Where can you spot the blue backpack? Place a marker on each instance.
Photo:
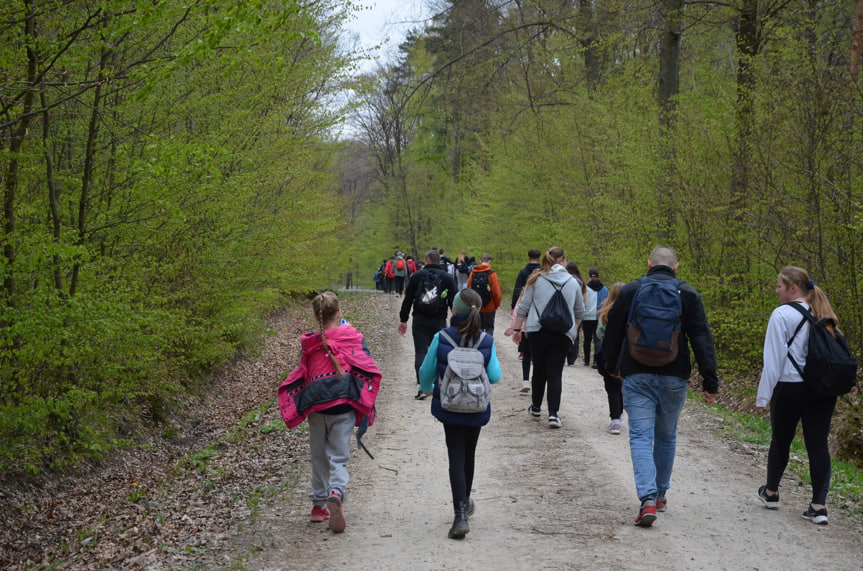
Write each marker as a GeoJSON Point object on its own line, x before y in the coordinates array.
{"type": "Point", "coordinates": [654, 324]}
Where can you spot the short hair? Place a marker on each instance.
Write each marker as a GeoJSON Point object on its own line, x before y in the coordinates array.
{"type": "Point", "coordinates": [663, 256]}
{"type": "Point", "coordinates": [486, 257]}
{"type": "Point", "coordinates": [593, 272]}
{"type": "Point", "coordinates": [533, 254]}
{"type": "Point", "coordinates": [432, 257]}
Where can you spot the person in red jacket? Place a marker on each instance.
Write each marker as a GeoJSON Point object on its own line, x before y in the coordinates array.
{"type": "Point", "coordinates": [390, 275]}
{"type": "Point", "coordinates": [483, 280]}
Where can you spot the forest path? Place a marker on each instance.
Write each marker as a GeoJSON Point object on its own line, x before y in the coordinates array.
{"type": "Point", "coordinates": [546, 499]}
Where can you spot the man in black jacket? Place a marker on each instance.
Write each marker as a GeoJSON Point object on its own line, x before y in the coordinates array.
{"type": "Point", "coordinates": [430, 292]}
{"type": "Point", "coordinates": [654, 396]}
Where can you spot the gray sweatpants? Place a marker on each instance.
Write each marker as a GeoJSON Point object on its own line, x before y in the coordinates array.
{"type": "Point", "coordinates": [330, 443]}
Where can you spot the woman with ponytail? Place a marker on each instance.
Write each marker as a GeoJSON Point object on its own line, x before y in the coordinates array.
{"type": "Point", "coordinates": [789, 398]}
{"type": "Point", "coordinates": [460, 429]}
{"type": "Point", "coordinates": [548, 348]}
{"type": "Point", "coordinates": [334, 387]}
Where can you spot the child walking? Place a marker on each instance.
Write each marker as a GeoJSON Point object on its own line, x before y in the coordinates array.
{"type": "Point", "coordinates": [334, 387]}
{"type": "Point", "coordinates": [461, 429]}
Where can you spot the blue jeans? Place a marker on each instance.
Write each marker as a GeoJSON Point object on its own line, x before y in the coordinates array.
{"type": "Point", "coordinates": [653, 404]}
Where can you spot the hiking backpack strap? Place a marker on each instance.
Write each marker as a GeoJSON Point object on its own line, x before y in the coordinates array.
{"type": "Point", "coordinates": [807, 316]}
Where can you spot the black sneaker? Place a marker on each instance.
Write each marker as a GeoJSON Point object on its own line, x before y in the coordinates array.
{"type": "Point", "coordinates": [771, 502]}
{"type": "Point", "coordinates": [534, 414]}
{"type": "Point", "coordinates": [420, 395]}
{"type": "Point", "coordinates": [816, 516]}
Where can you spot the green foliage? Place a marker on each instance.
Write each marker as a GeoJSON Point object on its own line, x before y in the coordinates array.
{"type": "Point", "coordinates": [177, 189]}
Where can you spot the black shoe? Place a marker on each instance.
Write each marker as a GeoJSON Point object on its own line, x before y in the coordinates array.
{"type": "Point", "coordinates": [771, 502]}
{"type": "Point", "coordinates": [816, 516]}
{"type": "Point", "coordinates": [420, 395]}
{"type": "Point", "coordinates": [470, 509]}
{"type": "Point", "coordinates": [460, 527]}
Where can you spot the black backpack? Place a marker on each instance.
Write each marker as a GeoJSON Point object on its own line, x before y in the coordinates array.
{"type": "Point", "coordinates": [431, 295]}
{"type": "Point", "coordinates": [479, 284]}
{"type": "Point", "coordinates": [556, 316]}
{"type": "Point", "coordinates": [830, 369]}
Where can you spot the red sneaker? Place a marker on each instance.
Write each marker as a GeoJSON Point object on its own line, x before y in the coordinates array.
{"type": "Point", "coordinates": [660, 503]}
{"type": "Point", "coordinates": [319, 514]}
{"type": "Point", "coordinates": [337, 516]}
{"type": "Point", "coordinates": [647, 514]}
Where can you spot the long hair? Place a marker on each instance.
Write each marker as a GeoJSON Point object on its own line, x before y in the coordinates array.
{"type": "Point", "coordinates": [573, 270]}
{"type": "Point", "coordinates": [814, 295]}
{"type": "Point", "coordinates": [609, 301]}
{"type": "Point", "coordinates": [473, 322]}
{"type": "Point", "coordinates": [326, 308]}
{"type": "Point", "coordinates": [551, 257]}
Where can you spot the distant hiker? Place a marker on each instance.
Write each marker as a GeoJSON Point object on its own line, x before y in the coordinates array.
{"type": "Point", "coordinates": [412, 265]}
{"type": "Point", "coordinates": [596, 294]}
{"type": "Point", "coordinates": [572, 354]}
{"type": "Point", "coordinates": [613, 385]}
{"type": "Point", "coordinates": [430, 292]}
{"type": "Point", "coordinates": [533, 265]}
{"type": "Point", "coordinates": [789, 398]}
{"type": "Point", "coordinates": [461, 429]}
{"type": "Point", "coordinates": [323, 390]}
{"type": "Point", "coordinates": [462, 268]}
{"type": "Point", "coordinates": [550, 310]}
{"type": "Point", "coordinates": [400, 273]}
{"type": "Point", "coordinates": [380, 277]}
{"type": "Point", "coordinates": [483, 280]}
{"type": "Point", "coordinates": [653, 395]}
{"type": "Point", "coordinates": [390, 276]}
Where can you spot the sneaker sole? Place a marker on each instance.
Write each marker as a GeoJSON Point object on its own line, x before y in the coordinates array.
{"type": "Point", "coordinates": [337, 516]}
{"type": "Point", "coordinates": [534, 414]}
{"type": "Point", "coordinates": [525, 389]}
{"type": "Point", "coordinates": [646, 520]}
{"type": "Point", "coordinates": [769, 505]}
{"type": "Point", "coordinates": [555, 425]}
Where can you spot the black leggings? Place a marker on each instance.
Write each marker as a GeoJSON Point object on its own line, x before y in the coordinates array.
{"type": "Point", "coordinates": [588, 327]}
{"type": "Point", "coordinates": [549, 353]}
{"type": "Point", "coordinates": [524, 349]}
{"type": "Point", "coordinates": [791, 403]}
{"type": "Point", "coordinates": [613, 388]}
{"type": "Point", "coordinates": [461, 448]}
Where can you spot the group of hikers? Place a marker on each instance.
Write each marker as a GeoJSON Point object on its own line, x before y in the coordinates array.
{"type": "Point", "coordinates": [391, 276]}
{"type": "Point", "coordinates": [640, 335]}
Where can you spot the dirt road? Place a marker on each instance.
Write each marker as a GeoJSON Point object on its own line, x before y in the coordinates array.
{"type": "Point", "coordinates": [546, 499]}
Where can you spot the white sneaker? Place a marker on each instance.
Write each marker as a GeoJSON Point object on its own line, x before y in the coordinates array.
{"type": "Point", "coordinates": [614, 428]}
{"type": "Point", "coordinates": [525, 386]}
{"type": "Point", "coordinates": [554, 421]}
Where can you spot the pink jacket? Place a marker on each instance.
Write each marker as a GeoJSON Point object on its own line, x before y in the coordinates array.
{"type": "Point", "coordinates": [314, 385]}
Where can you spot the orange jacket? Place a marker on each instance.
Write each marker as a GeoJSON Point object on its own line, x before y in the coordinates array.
{"type": "Point", "coordinates": [496, 295]}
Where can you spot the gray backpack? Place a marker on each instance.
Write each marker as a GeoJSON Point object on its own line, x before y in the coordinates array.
{"type": "Point", "coordinates": [464, 386]}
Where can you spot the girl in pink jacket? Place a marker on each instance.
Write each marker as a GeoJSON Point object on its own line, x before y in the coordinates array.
{"type": "Point", "coordinates": [334, 387]}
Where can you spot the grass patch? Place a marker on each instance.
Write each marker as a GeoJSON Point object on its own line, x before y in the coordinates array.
{"type": "Point", "coordinates": [846, 483]}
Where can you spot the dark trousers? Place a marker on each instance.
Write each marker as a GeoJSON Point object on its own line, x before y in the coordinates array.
{"type": "Point", "coordinates": [524, 349]}
{"type": "Point", "coordinates": [572, 354]}
{"type": "Point", "coordinates": [487, 322]}
{"type": "Point", "coordinates": [588, 328]}
{"type": "Point", "coordinates": [423, 330]}
{"type": "Point", "coordinates": [399, 284]}
{"type": "Point", "coordinates": [548, 351]}
{"type": "Point", "coordinates": [792, 403]}
{"type": "Point", "coordinates": [613, 387]}
{"type": "Point", "coordinates": [461, 448]}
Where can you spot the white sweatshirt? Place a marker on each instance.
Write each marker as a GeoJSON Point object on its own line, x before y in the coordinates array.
{"type": "Point", "coordinates": [777, 366]}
